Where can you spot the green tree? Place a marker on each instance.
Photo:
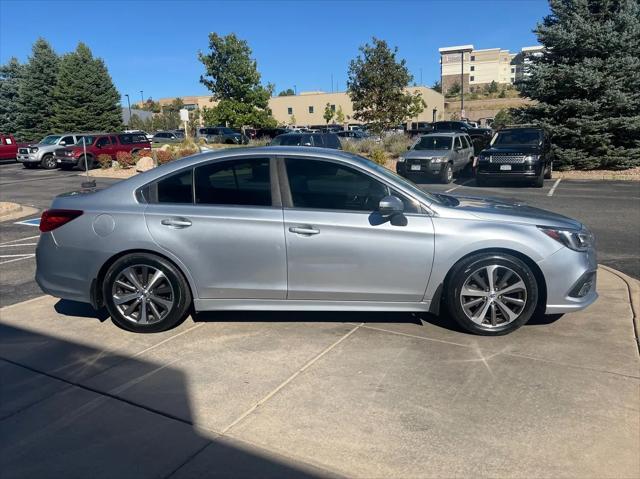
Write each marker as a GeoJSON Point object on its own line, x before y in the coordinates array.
{"type": "Point", "coordinates": [292, 120]}
{"type": "Point", "coordinates": [232, 77]}
{"type": "Point", "coordinates": [287, 92]}
{"type": "Point", "coordinates": [10, 77]}
{"type": "Point", "coordinates": [35, 115]}
{"type": "Point", "coordinates": [502, 118]}
{"type": "Point", "coordinates": [376, 85]}
{"type": "Point", "coordinates": [586, 83]}
{"type": "Point", "coordinates": [84, 97]}
{"type": "Point", "coordinates": [328, 114]}
{"type": "Point", "coordinates": [454, 90]}
{"type": "Point", "coordinates": [492, 87]}
{"type": "Point", "coordinates": [339, 115]}
{"type": "Point", "coordinates": [437, 86]}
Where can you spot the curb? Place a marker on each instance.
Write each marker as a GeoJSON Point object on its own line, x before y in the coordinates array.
{"type": "Point", "coordinates": [12, 209]}
{"type": "Point", "coordinates": [633, 288]}
{"type": "Point", "coordinates": [18, 213]}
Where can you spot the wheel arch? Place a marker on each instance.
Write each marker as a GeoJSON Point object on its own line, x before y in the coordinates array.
{"type": "Point", "coordinates": [535, 269]}
{"type": "Point", "coordinates": [97, 300]}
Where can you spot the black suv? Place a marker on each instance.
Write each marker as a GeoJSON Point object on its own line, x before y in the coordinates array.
{"type": "Point", "coordinates": [516, 153]}
{"type": "Point", "coordinates": [323, 140]}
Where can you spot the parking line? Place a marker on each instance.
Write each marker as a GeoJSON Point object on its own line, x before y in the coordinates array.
{"type": "Point", "coordinates": [20, 239]}
{"type": "Point", "coordinates": [22, 256]}
{"type": "Point", "coordinates": [553, 188]}
{"type": "Point", "coordinates": [458, 186]}
{"type": "Point", "coordinates": [17, 244]}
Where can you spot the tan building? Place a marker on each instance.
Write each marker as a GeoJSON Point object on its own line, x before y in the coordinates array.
{"type": "Point", "coordinates": [307, 108]}
{"type": "Point", "coordinates": [476, 68]}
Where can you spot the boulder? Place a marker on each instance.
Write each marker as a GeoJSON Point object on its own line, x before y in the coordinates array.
{"type": "Point", "coordinates": [145, 163]}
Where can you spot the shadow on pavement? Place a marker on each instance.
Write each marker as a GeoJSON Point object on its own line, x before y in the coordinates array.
{"type": "Point", "coordinates": [308, 316]}
{"type": "Point", "coordinates": [53, 425]}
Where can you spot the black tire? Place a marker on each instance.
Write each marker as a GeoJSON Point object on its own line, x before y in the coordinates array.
{"type": "Point", "coordinates": [539, 181]}
{"type": "Point", "coordinates": [30, 166]}
{"type": "Point", "coordinates": [446, 174]}
{"type": "Point", "coordinates": [48, 162]}
{"type": "Point", "coordinates": [180, 295]}
{"type": "Point", "coordinates": [84, 166]}
{"type": "Point", "coordinates": [549, 173]}
{"type": "Point", "coordinates": [465, 269]}
{"type": "Point", "coordinates": [480, 181]}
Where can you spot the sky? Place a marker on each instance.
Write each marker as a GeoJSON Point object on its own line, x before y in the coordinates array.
{"type": "Point", "coordinates": [152, 46]}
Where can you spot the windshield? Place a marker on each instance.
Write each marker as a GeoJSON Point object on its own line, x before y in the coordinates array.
{"type": "Point", "coordinates": [227, 131]}
{"type": "Point", "coordinates": [409, 185]}
{"type": "Point", "coordinates": [88, 140]}
{"type": "Point", "coordinates": [50, 140]}
{"type": "Point", "coordinates": [517, 137]}
{"type": "Point", "coordinates": [434, 143]}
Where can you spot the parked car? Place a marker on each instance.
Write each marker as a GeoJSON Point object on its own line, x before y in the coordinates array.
{"type": "Point", "coordinates": [99, 144]}
{"type": "Point", "coordinates": [168, 137]}
{"type": "Point", "coordinates": [437, 155]}
{"type": "Point", "coordinates": [463, 127]}
{"type": "Point", "coordinates": [270, 133]}
{"type": "Point", "coordinates": [42, 153]}
{"type": "Point", "coordinates": [221, 134]}
{"type": "Point", "coordinates": [323, 140]}
{"type": "Point", "coordinates": [516, 154]}
{"type": "Point", "coordinates": [418, 128]}
{"type": "Point", "coordinates": [283, 228]}
{"type": "Point", "coordinates": [8, 147]}
{"type": "Point", "coordinates": [148, 135]}
{"type": "Point", "coordinates": [353, 135]}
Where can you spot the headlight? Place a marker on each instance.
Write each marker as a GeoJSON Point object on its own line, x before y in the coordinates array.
{"type": "Point", "coordinates": [531, 158]}
{"type": "Point", "coordinates": [68, 153]}
{"type": "Point", "coordinates": [483, 158]}
{"type": "Point", "coordinates": [438, 159]}
{"type": "Point", "coordinates": [577, 240]}
{"type": "Point", "coordinates": [34, 149]}
{"type": "Point", "coordinates": [401, 159]}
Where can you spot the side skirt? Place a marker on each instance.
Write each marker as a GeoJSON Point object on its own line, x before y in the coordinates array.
{"type": "Point", "coordinates": [305, 305]}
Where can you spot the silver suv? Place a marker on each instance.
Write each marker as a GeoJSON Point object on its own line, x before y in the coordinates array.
{"type": "Point", "coordinates": [41, 154]}
{"type": "Point", "coordinates": [438, 155]}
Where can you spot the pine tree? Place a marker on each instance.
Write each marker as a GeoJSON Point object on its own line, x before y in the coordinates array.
{"type": "Point", "coordinates": [84, 97]}
{"type": "Point", "coordinates": [10, 77]}
{"type": "Point", "coordinates": [587, 83]}
{"type": "Point", "coordinates": [35, 114]}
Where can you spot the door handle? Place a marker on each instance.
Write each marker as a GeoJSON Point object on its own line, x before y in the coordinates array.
{"type": "Point", "coordinates": [177, 223]}
{"type": "Point", "coordinates": [304, 230]}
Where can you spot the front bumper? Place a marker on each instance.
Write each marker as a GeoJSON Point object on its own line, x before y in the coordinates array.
{"type": "Point", "coordinates": [28, 158]}
{"type": "Point", "coordinates": [66, 160]}
{"type": "Point", "coordinates": [418, 167]}
{"type": "Point", "coordinates": [571, 280]}
{"type": "Point", "coordinates": [505, 171]}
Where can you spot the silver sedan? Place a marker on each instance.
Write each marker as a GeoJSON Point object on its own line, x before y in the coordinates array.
{"type": "Point", "coordinates": [294, 228]}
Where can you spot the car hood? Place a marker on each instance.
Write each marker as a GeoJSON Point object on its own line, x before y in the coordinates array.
{"type": "Point", "coordinates": [425, 153]}
{"type": "Point", "coordinates": [494, 209]}
{"type": "Point", "coordinates": [42, 146]}
{"type": "Point", "coordinates": [520, 149]}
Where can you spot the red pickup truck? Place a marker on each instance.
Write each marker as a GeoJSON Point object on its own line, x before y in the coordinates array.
{"type": "Point", "coordinates": [99, 144]}
{"type": "Point", "coordinates": [8, 147]}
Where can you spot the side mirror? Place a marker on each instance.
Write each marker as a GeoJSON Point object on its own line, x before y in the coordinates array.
{"type": "Point", "coordinates": [390, 206]}
{"type": "Point", "coordinates": [63, 143]}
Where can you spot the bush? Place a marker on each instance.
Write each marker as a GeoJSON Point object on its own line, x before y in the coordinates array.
{"type": "Point", "coordinates": [259, 142]}
{"type": "Point", "coordinates": [350, 147]}
{"type": "Point", "coordinates": [125, 159]}
{"type": "Point", "coordinates": [379, 156]}
{"type": "Point", "coordinates": [181, 153]}
{"type": "Point", "coordinates": [396, 144]}
{"type": "Point", "coordinates": [105, 161]}
{"type": "Point", "coordinates": [164, 156]}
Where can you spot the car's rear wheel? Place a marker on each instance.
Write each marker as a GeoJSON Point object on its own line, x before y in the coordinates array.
{"type": "Point", "coordinates": [48, 162]}
{"type": "Point", "coordinates": [145, 293]}
{"type": "Point", "coordinates": [491, 293]}
{"type": "Point", "coordinates": [446, 174]}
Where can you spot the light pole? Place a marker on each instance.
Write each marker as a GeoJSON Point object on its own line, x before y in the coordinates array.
{"type": "Point", "coordinates": [295, 90]}
{"type": "Point", "coordinates": [142, 98]}
{"type": "Point", "coordinates": [129, 105]}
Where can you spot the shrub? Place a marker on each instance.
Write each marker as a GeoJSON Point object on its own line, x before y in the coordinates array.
{"type": "Point", "coordinates": [185, 152]}
{"type": "Point", "coordinates": [367, 146]}
{"type": "Point", "coordinates": [350, 147]}
{"type": "Point", "coordinates": [259, 142]}
{"type": "Point", "coordinates": [164, 156]}
{"type": "Point", "coordinates": [125, 159]}
{"type": "Point", "coordinates": [396, 144]}
{"type": "Point", "coordinates": [378, 156]}
{"type": "Point", "coordinates": [105, 161]}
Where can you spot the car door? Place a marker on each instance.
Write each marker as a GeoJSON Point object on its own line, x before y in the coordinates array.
{"type": "Point", "coordinates": [339, 247]}
{"type": "Point", "coordinates": [104, 147]}
{"type": "Point", "coordinates": [223, 220]}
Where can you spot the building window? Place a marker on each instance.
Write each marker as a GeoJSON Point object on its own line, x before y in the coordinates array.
{"type": "Point", "coordinates": [472, 78]}
{"type": "Point", "coordinates": [512, 79]}
{"type": "Point", "coordinates": [333, 108]}
{"type": "Point", "coordinates": [513, 70]}
{"type": "Point", "coordinates": [310, 109]}
{"type": "Point", "coordinates": [473, 58]}
{"type": "Point", "coordinates": [289, 111]}
{"type": "Point", "coordinates": [473, 68]}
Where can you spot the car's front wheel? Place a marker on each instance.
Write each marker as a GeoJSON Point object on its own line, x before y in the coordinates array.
{"type": "Point", "coordinates": [446, 174]}
{"type": "Point", "coordinates": [48, 162]}
{"type": "Point", "coordinates": [145, 293]}
{"type": "Point", "coordinates": [491, 293]}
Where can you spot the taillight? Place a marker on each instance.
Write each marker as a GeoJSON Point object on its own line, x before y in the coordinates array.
{"type": "Point", "coordinates": [52, 219]}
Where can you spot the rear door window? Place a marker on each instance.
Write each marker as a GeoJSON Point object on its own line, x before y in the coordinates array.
{"type": "Point", "coordinates": [242, 182]}
{"type": "Point", "coordinates": [176, 188]}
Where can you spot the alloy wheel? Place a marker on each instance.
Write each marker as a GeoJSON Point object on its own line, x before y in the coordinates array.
{"type": "Point", "coordinates": [493, 296]}
{"type": "Point", "coordinates": [143, 294]}
{"type": "Point", "coordinates": [49, 162]}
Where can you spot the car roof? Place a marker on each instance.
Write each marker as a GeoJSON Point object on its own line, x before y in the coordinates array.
{"type": "Point", "coordinates": [445, 133]}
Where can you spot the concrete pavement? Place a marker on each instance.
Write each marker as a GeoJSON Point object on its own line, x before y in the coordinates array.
{"type": "Point", "coordinates": [246, 394]}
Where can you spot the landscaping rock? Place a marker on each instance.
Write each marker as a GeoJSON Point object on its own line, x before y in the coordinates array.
{"type": "Point", "coordinates": [145, 163]}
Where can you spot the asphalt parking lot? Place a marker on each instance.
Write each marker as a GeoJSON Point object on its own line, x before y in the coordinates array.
{"type": "Point", "coordinates": [273, 394]}
{"type": "Point", "coordinates": [610, 208]}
